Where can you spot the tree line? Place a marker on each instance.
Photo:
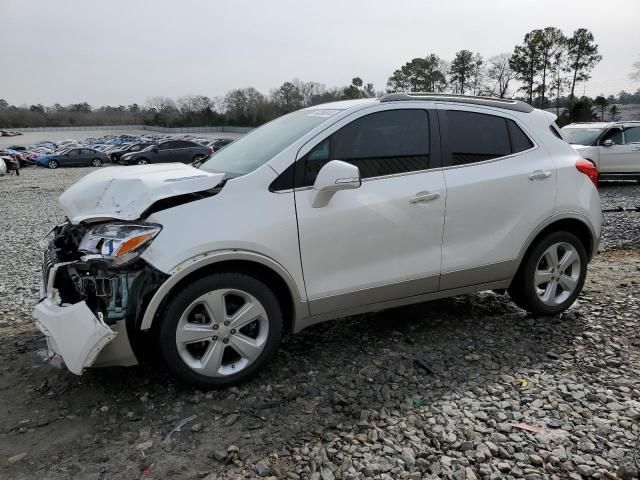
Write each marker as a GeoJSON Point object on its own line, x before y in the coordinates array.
{"type": "Point", "coordinates": [543, 70]}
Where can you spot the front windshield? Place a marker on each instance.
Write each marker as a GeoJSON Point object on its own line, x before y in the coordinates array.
{"type": "Point", "coordinates": [146, 149]}
{"type": "Point", "coordinates": [262, 144]}
{"type": "Point", "coordinates": [581, 136]}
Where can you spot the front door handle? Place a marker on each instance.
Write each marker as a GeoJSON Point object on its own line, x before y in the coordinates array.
{"type": "Point", "coordinates": [539, 175]}
{"type": "Point", "coordinates": [424, 197]}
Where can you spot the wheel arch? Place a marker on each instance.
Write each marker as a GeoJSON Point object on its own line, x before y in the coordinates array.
{"type": "Point", "coordinates": [572, 223]}
{"type": "Point", "coordinates": [254, 265]}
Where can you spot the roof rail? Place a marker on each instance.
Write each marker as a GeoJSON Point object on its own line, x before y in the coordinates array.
{"type": "Point", "coordinates": [505, 103]}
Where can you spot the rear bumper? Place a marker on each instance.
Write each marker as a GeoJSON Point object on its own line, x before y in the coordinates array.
{"type": "Point", "coordinates": [73, 332]}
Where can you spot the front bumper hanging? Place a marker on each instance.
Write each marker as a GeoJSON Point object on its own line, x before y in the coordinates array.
{"type": "Point", "coordinates": [73, 332]}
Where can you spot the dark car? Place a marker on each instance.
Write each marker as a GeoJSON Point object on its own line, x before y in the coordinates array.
{"type": "Point", "coordinates": [170, 151]}
{"type": "Point", "coordinates": [220, 143]}
{"type": "Point", "coordinates": [136, 147]}
{"type": "Point", "coordinates": [74, 157]}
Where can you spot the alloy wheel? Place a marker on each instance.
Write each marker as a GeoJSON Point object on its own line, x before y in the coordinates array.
{"type": "Point", "coordinates": [52, 164]}
{"type": "Point", "coordinates": [222, 332]}
{"type": "Point", "coordinates": [557, 274]}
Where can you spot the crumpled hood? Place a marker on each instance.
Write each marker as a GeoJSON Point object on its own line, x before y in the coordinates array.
{"type": "Point", "coordinates": [124, 193]}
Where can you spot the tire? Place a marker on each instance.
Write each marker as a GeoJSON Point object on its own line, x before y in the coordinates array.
{"type": "Point", "coordinates": [142, 161]}
{"type": "Point", "coordinates": [559, 284]}
{"type": "Point", "coordinates": [52, 164]}
{"type": "Point", "coordinates": [190, 354]}
{"type": "Point", "coordinates": [96, 162]}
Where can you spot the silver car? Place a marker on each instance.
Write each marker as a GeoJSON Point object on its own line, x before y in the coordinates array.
{"type": "Point", "coordinates": [613, 147]}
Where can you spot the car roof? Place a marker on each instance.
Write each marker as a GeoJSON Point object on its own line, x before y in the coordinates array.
{"type": "Point", "coordinates": [503, 103]}
{"type": "Point", "coordinates": [602, 124]}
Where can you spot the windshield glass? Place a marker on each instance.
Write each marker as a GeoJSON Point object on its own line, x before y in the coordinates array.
{"type": "Point", "coordinates": [262, 144]}
{"type": "Point", "coordinates": [146, 149]}
{"type": "Point", "coordinates": [581, 136]}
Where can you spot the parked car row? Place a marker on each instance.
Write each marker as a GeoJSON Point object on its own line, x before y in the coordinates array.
{"type": "Point", "coordinates": [9, 133]}
{"type": "Point", "coordinates": [122, 149]}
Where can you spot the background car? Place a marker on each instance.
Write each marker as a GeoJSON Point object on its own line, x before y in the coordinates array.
{"type": "Point", "coordinates": [135, 147]}
{"type": "Point", "coordinates": [612, 147]}
{"type": "Point", "coordinates": [219, 143]}
{"type": "Point", "coordinates": [182, 151]}
{"type": "Point", "coordinates": [74, 157]}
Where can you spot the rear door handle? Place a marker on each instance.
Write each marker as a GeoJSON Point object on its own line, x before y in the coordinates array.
{"type": "Point", "coordinates": [424, 197]}
{"type": "Point", "coordinates": [539, 175]}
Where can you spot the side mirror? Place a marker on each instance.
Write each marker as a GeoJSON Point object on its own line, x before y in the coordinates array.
{"type": "Point", "coordinates": [335, 175]}
{"type": "Point", "coordinates": [607, 143]}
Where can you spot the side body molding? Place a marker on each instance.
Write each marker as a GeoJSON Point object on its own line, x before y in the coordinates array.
{"type": "Point", "coordinates": [181, 271]}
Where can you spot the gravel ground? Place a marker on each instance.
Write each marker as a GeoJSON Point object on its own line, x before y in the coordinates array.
{"type": "Point", "coordinates": [464, 388]}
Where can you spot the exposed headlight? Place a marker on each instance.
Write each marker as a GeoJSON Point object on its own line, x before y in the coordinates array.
{"type": "Point", "coordinates": [120, 242]}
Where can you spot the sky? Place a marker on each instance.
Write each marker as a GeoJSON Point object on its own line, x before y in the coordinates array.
{"type": "Point", "coordinates": [118, 52]}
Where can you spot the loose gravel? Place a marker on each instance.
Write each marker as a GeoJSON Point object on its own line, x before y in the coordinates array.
{"type": "Point", "coordinates": [464, 388]}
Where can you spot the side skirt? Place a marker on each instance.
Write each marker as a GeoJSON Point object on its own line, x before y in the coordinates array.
{"type": "Point", "coordinates": [373, 307]}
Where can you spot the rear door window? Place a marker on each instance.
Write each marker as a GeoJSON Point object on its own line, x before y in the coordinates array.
{"type": "Point", "coordinates": [476, 137]}
{"type": "Point", "coordinates": [632, 135]}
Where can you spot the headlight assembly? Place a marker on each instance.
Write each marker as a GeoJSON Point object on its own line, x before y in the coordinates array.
{"type": "Point", "coordinates": [120, 242]}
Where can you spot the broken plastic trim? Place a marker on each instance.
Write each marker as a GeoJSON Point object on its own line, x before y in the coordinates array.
{"type": "Point", "coordinates": [171, 202]}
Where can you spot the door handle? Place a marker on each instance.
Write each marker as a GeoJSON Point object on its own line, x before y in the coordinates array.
{"type": "Point", "coordinates": [424, 197]}
{"type": "Point", "coordinates": [539, 175]}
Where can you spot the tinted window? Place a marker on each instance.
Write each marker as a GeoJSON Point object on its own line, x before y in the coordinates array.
{"type": "Point", "coordinates": [519, 141]}
{"type": "Point", "coordinates": [474, 137]}
{"type": "Point", "coordinates": [166, 145]}
{"type": "Point", "coordinates": [383, 143]}
{"type": "Point", "coordinates": [615, 135]}
{"type": "Point", "coordinates": [183, 144]}
{"type": "Point", "coordinates": [632, 135]}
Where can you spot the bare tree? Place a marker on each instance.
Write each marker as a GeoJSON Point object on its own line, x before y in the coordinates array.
{"type": "Point", "coordinates": [500, 73]}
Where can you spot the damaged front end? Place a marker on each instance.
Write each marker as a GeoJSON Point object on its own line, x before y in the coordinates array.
{"type": "Point", "coordinates": [94, 288]}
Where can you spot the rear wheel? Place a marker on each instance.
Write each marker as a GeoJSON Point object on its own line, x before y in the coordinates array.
{"type": "Point", "coordinates": [52, 164]}
{"type": "Point", "coordinates": [96, 162]}
{"type": "Point", "coordinates": [220, 330]}
{"type": "Point", "coordinates": [551, 276]}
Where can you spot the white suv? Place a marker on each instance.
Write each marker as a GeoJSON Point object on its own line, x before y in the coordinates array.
{"type": "Point", "coordinates": [329, 211]}
{"type": "Point", "coordinates": [613, 147]}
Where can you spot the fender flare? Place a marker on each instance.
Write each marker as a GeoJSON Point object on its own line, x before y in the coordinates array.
{"type": "Point", "coordinates": [191, 265]}
{"type": "Point", "coordinates": [550, 221]}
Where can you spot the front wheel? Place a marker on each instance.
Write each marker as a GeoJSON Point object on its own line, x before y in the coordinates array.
{"type": "Point", "coordinates": [220, 330]}
{"type": "Point", "coordinates": [96, 162]}
{"type": "Point", "coordinates": [143, 161]}
{"type": "Point", "coordinates": [52, 164]}
{"type": "Point", "coordinates": [552, 275]}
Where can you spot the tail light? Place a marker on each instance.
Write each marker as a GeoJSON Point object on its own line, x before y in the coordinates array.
{"type": "Point", "coordinates": [589, 169]}
{"type": "Point", "coordinates": [210, 149]}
